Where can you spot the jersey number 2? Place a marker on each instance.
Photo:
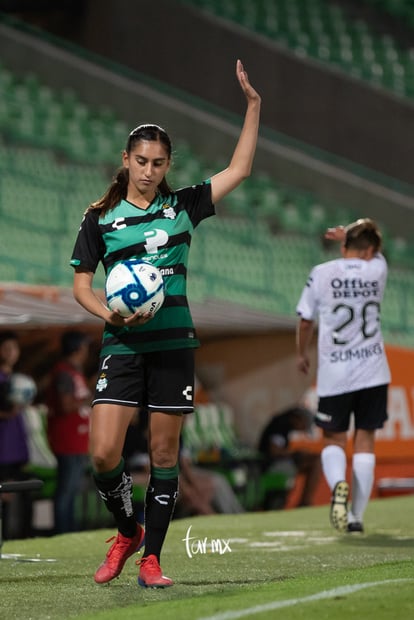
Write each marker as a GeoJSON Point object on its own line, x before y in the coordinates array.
{"type": "Point", "coordinates": [369, 324]}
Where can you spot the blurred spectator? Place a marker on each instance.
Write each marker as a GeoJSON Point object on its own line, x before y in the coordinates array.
{"type": "Point", "coordinates": [274, 446]}
{"type": "Point", "coordinates": [68, 402]}
{"type": "Point", "coordinates": [14, 453]}
{"type": "Point", "coordinates": [203, 491]}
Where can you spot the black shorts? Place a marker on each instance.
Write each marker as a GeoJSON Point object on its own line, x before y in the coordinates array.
{"type": "Point", "coordinates": [369, 407]}
{"type": "Point", "coordinates": [158, 381]}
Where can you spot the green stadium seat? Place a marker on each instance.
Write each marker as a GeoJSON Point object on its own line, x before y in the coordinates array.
{"type": "Point", "coordinates": [401, 252]}
{"type": "Point", "coordinates": [267, 233]}
{"type": "Point", "coordinates": [325, 31]}
{"type": "Point", "coordinates": [209, 436]}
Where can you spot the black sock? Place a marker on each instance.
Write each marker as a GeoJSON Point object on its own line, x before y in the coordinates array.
{"type": "Point", "coordinates": [115, 488]}
{"type": "Point", "coordinates": [159, 506]}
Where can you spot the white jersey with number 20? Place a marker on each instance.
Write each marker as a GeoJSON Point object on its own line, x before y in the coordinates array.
{"type": "Point", "coordinates": [345, 296]}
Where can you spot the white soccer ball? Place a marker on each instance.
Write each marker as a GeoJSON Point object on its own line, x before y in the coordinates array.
{"type": "Point", "coordinates": [22, 389]}
{"type": "Point", "coordinates": [134, 285]}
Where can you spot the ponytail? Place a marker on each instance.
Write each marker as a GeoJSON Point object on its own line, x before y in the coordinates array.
{"type": "Point", "coordinates": [116, 192]}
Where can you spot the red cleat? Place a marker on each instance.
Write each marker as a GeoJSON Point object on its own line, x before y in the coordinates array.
{"type": "Point", "coordinates": [150, 574]}
{"type": "Point", "coordinates": [118, 554]}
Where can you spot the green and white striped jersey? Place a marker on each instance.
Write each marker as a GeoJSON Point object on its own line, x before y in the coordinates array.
{"type": "Point", "coordinates": [160, 234]}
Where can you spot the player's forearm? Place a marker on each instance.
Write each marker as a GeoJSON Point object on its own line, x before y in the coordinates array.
{"type": "Point", "coordinates": [304, 335]}
{"type": "Point", "coordinates": [86, 297]}
{"type": "Point", "coordinates": [242, 160]}
{"type": "Point", "coordinates": [94, 305]}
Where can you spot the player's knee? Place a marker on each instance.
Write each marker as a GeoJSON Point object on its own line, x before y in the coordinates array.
{"type": "Point", "coordinates": [164, 450]}
{"type": "Point", "coordinates": [335, 439]}
{"type": "Point", "coordinates": [104, 460]}
{"type": "Point", "coordinates": [163, 455]}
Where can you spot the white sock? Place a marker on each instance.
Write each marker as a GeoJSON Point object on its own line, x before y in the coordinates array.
{"type": "Point", "coordinates": [363, 467]}
{"type": "Point", "coordinates": [333, 460]}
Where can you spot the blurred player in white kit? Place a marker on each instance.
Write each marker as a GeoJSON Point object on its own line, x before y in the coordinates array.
{"type": "Point", "coordinates": [344, 295]}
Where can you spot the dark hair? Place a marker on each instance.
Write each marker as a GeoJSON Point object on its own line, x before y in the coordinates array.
{"type": "Point", "coordinates": [363, 234]}
{"type": "Point", "coordinates": [119, 186]}
{"type": "Point", "coordinates": [8, 335]}
{"type": "Point", "coordinates": [72, 341]}
{"type": "Point", "coordinates": [302, 413]}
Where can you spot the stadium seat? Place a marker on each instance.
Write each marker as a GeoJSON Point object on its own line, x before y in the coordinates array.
{"type": "Point", "coordinates": [266, 233]}
{"type": "Point", "coordinates": [209, 436]}
{"type": "Point", "coordinates": [329, 33]}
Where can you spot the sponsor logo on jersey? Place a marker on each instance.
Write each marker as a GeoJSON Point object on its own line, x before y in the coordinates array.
{"type": "Point", "coordinates": [119, 223]}
{"type": "Point", "coordinates": [354, 287]}
{"type": "Point", "coordinates": [359, 354]}
{"type": "Point", "coordinates": [155, 239]}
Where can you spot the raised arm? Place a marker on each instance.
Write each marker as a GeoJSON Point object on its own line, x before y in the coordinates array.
{"type": "Point", "coordinates": [242, 160]}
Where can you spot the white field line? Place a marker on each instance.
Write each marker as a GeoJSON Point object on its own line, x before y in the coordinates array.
{"type": "Point", "coordinates": [326, 594]}
{"type": "Point", "coordinates": [20, 557]}
{"type": "Point", "coordinates": [290, 533]}
{"type": "Point", "coordinates": [296, 537]}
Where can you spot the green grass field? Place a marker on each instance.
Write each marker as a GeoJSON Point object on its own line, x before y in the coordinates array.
{"type": "Point", "coordinates": [285, 564]}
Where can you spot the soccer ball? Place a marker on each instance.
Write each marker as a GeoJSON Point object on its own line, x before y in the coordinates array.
{"type": "Point", "coordinates": [22, 389]}
{"type": "Point", "coordinates": [134, 285]}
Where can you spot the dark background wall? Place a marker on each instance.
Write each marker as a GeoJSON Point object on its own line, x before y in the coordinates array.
{"type": "Point", "coordinates": [197, 53]}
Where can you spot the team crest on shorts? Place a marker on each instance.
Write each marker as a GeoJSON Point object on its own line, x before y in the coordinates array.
{"type": "Point", "coordinates": [102, 383]}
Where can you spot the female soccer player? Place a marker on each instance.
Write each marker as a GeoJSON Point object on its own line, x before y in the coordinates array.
{"type": "Point", "coordinates": [148, 363]}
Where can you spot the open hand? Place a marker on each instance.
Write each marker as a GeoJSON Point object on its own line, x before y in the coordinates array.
{"type": "Point", "coordinates": [138, 318]}
{"type": "Point", "coordinates": [336, 233]}
{"type": "Point", "coordinates": [247, 88]}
